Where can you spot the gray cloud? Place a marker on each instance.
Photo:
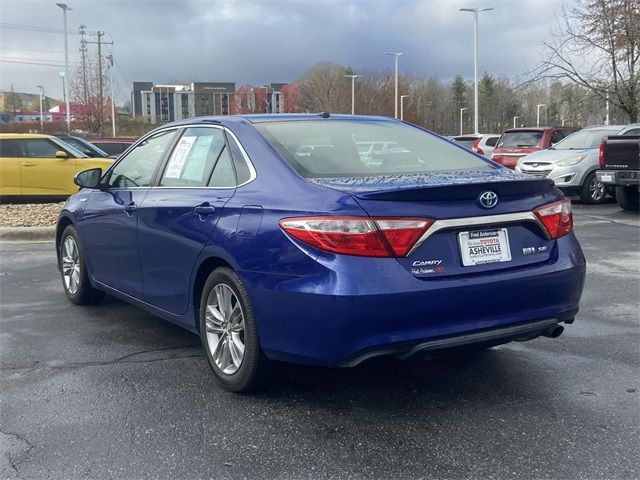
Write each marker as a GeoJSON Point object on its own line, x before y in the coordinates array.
{"type": "Point", "coordinates": [253, 41]}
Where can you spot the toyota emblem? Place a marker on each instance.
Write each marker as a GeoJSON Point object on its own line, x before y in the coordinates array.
{"type": "Point", "coordinates": [488, 199]}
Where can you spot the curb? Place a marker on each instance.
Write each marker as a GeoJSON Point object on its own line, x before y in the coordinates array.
{"type": "Point", "coordinates": [27, 234]}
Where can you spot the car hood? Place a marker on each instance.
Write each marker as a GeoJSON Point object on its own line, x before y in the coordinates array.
{"type": "Point", "coordinates": [553, 156]}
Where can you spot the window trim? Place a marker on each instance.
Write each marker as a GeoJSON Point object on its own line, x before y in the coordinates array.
{"type": "Point", "coordinates": [180, 130]}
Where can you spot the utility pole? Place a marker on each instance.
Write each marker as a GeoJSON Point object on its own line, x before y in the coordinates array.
{"type": "Point", "coordinates": [113, 109]}
{"type": "Point", "coordinates": [100, 42]}
{"type": "Point", "coordinates": [83, 52]}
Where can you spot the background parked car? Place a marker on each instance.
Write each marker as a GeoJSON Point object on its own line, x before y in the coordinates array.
{"type": "Point", "coordinates": [572, 163]}
{"type": "Point", "coordinates": [41, 167]}
{"type": "Point", "coordinates": [518, 142]}
{"type": "Point", "coordinates": [84, 146]}
{"type": "Point", "coordinates": [620, 167]}
{"type": "Point", "coordinates": [482, 144]}
{"type": "Point", "coordinates": [113, 146]}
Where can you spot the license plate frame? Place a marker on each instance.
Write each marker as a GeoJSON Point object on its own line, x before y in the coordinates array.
{"type": "Point", "coordinates": [484, 247]}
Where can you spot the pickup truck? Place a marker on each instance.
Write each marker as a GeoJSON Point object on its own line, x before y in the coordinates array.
{"type": "Point", "coordinates": [620, 167]}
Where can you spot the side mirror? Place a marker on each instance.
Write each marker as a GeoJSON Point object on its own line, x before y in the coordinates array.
{"type": "Point", "coordinates": [61, 154]}
{"type": "Point", "coordinates": [88, 178]}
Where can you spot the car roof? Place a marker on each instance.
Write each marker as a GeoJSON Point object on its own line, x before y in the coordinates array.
{"type": "Point", "coordinates": [277, 117]}
{"type": "Point", "coordinates": [15, 136]}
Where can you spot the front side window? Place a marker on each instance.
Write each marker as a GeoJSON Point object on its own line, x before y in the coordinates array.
{"type": "Point", "coordinates": [335, 150]}
{"type": "Point", "coordinates": [138, 167]}
{"type": "Point", "coordinates": [39, 148]}
{"type": "Point", "coordinates": [194, 157]}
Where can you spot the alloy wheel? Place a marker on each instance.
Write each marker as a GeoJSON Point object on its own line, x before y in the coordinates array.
{"type": "Point", "coordinates": [71, 265]}
{"type": "Point", "coordinates": [224, 321]}
{"type": "Point", "coordinates": [596, 190]}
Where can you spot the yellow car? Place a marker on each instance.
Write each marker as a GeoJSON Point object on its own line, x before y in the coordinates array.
{"type": "Point", "coordinates": [41, 166]}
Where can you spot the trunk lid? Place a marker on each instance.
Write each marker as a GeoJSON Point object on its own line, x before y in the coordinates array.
{"type": "Point", "coordinates": [462, 223]}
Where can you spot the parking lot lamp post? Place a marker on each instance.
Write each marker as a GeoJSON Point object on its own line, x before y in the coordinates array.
{"type": "Point", "coordinates": [113, 109]}
{"type": "Point", "coordinates": [462, 110]}
{"type": "Point", "coordinates": [41, 112]}
{"type": "Point", "coordinates": [64, 89]}
{"type": "Point", "coordinates": [514, 120]}
{"type": "Point", "coordinates": [475, 11]}
{"type": "Point", "coordinates": [64, 8]}
{"type": "Point", "coordinates": [353, 92]}
{"type": "Point", "coordinates": [402, 97]}
{"type": "Point", "coordinates": [395, 54]}
{"type": "Point", "coordinates": [538, 113]}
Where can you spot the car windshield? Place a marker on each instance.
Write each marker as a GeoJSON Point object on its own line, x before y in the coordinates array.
{"type": "Point", "coordinates": [522, 139]}
{"type": "Point", "coordinates": [585, 139]}
{"type": "Point", "coordinates": [338, 152]}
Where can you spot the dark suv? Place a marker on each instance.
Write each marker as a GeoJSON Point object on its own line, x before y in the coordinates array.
{"type": "Point", "coordinates": [518, 142]}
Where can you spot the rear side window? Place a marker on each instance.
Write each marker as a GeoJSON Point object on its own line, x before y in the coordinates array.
{"type": "Point", "coordinates": [491, 141]}
{"type": "Point", "coordinates": [39, 148]}
{"type": "Point", "coordinates": [9, 148]}
{"type": "Point", "coordinates": [240, 163]}
{"type": "Point", "coordinates": [521, 139]}
{"type": "Point", "coordinates": [633, 131]}
{"type": "Point", "coordinates": [194, 157]}
{"type": "Point", "coordinates": [223, 175]}
{"type": "Point", "coordinates": [336, 150]}
{"type": "Point", "coordinates": [138, 167]}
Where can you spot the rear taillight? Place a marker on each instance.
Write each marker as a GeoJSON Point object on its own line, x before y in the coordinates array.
{"type": "Point", "coordinates": [556, 218]}
{"type": "Point", "coordinates": [601, 155]}
{"type": "Point", "coordinates": [476, 147]}
{"type": "Point", "coordinates": [361, 236]}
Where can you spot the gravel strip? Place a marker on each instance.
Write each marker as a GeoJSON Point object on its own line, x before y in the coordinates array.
{"type": "Point", "coordinates": [30, 214]}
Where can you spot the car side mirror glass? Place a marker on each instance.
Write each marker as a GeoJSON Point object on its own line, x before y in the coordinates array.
{"type": "Point", "coordinates": [62, 154]}
{"type": "Point", "coordinates": [88, 178]}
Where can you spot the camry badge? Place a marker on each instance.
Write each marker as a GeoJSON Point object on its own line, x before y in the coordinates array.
{"type": "Point", "coordinates": [488, 199]}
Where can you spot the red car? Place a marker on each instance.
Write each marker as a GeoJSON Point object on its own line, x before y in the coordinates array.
{"type": "Point", "coordinates": [518, 142]}
{"type": "Point", "coordinates": [113, 146]}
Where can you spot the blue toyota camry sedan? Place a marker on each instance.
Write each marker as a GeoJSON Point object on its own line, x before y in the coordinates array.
{"type": "Point", "coordinates": [295, 238]}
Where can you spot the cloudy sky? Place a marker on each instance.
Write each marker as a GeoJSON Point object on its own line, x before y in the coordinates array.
{"type": "Point", "coordinates": [263, 41]}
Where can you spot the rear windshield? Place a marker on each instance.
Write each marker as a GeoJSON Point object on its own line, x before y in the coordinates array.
{"type": "Point", "coordinates": [466, 142]}
{"type": "Point", "coordinates": [345, 148]}
{"type": "Point", "coordinates": [520, 139]}
{"type": "Point", "coordinates": [585, 139]}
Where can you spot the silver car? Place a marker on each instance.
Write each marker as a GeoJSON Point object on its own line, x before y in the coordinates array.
{"type": "Point", "coordinates": [572, 162]}
{"type": "Point", "coordinates": [482, 143]}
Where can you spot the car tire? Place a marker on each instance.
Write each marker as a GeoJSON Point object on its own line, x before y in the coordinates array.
{"type": "Point", "coordinates": [73, 269]}
{"type": "Point", "coordinates": [229, 333]}
{"type": "Point", "coordinates": [628, 198]}
{"type": "Point", "coordinates": [593, 191]}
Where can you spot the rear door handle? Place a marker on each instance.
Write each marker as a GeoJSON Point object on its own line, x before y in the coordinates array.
{"type": "Point", "coordinates": [28, 164]}
{"type": "Point", "coordinates": [205, 209]}
{"type": "Point", "coordinates": [131, 208]}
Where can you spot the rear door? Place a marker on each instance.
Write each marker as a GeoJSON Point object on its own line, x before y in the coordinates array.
{"type": "Point", "coordinates": [42, 172]}
{"type": "Point", "coordinates": [10, 183]}
{"type": "Point", "coordinates": [178, 216]}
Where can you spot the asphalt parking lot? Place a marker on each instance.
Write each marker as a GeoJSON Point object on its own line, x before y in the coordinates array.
{"type": "Point", "coordinates": [113, 392]}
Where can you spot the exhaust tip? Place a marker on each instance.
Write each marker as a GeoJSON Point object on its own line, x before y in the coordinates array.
{"type": "Point", "coordinates": [553, 332]}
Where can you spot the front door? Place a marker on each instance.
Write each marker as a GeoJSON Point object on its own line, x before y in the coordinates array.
{"type": "Point", "coordinates": [178, 216]}
{"type": "Point", "coordinates": [110, 222]}
{"type": "Point", "coordinates": [10, 183]}
{"type": "Point", "coordinates": [42, 172]}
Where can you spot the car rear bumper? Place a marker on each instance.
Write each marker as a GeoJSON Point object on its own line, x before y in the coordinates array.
{"type": "Point", "coordinates": [619, 177]}
{"type": "Point", "coordinates": [340, 315]}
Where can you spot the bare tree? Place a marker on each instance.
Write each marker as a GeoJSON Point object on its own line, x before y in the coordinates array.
{"type": "Point", "coordinates": [325, 89]}
{"type": "Point", "coordinates": [597, 46]}
{"type": "Point", "coordinates": [85, 97]}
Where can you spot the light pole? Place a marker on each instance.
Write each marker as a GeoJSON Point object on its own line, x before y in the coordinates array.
{"type": "Point", "coordinates": [538, 115]}
{"type": "Point", "coordinates": [64, 91]}
{"type": "Point", "coordinates": [475, 11]}
{"type": "Point", "coordinates": [113, 110]}
{"type": "Point", "coordinates": [64, 8]}
{"type": "Point", "coordinates": [402, 97]}
{"type": "Point", "coordinates": [41, 112]}
{"type": "Point", "coordinates": [462, 110]}
{"type": "Point", "coordinates": [395, 54]}
{"type": "Point", "coordinates": [353, 92]}
{"type": "Point", "coordinates": [514, 120]}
